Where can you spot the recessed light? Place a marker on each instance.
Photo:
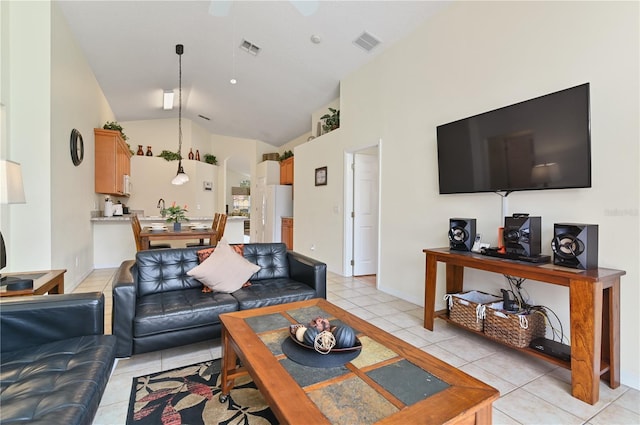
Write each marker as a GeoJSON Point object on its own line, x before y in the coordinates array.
{"type": "Point", "coordinates": [233, 81]}
{"type": "Point", "coordinates": [315, 39]}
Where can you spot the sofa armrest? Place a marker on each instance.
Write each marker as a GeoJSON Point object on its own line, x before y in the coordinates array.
{"type": "Point", "coordinates": [36, 320]}
{"type": "Point", "coordinates": [124, 308]}
{"type": "Point", "coordinates": [308, 271]}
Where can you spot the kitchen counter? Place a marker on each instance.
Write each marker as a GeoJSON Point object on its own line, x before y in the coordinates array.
{"type": "Point", "coordinates": [234, 229]}
{"type": "Point", "coordinates": [113, 240]}
{"type": "Point", "coordinates": [155, 218]}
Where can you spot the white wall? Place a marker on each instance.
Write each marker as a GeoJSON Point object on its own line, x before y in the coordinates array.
{"type": "Point", "coordinates": [151, 176]}
{"type": "Point", "coordinates": [236, 155]}
{"type": "Point", "coordinates": [76, 102]}
{"type": "Point", "coordinates": [292, 144]}
{"type": "Point", "coordinates": [26, 58]}
{"type": "Point", "coordinates": [47, 90]}
{"type": "Point", "coordinates": [470, 58]}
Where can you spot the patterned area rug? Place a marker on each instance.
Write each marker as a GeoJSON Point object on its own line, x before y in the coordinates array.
{"type": "Point", "coordinates": [189, 395]}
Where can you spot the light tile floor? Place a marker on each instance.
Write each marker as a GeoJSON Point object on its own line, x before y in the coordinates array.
{"type": "Point", "coordinates": [531, 391]}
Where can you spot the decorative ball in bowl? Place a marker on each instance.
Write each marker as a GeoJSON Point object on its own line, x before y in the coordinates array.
{"type": "Point", "coordinates": [320, 336]}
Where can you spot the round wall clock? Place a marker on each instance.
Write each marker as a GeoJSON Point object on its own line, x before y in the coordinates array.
{"type": "Point", "coordinates": [76, 146]}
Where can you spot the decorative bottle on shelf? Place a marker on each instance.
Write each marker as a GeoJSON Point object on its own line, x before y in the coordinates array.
{"type": "Point", "coordinates": [197, 155]}
{"type": "Point", "coordinates": [191, 153]}
{"type": "Point", "coordinates": [149, 153]}
{"type": "Point", "coordinates": [140, 151]}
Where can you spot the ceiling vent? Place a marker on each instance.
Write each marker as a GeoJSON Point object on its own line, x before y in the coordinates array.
{"type": "Point", "coordinates": [249, 47]}
{"type": "Point", "coordinates": [366, 41]}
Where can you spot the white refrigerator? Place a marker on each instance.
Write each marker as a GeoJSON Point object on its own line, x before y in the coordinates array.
{"type": "Point", "coordinates": [269, 204]}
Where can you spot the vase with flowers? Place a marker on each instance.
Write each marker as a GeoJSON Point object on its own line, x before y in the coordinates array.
{"type": "Point", "coordinates": [175, 214]}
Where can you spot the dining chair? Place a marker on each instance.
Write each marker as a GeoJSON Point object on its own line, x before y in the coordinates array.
{"type": "Point", "coordinates": [220, 225]}
{"type": "Point", "coordinates": [217, 218]}
{"type": "Point", "coordinates": [137, 228]}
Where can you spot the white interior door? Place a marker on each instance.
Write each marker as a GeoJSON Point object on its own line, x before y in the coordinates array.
{"type": "Point", "coordinates": [365, 218]}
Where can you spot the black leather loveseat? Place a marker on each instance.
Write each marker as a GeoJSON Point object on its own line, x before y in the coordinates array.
{"type": "Point", "coordinates": [156, 305]}
{"type": "Point", "coordinates": [55, 360]}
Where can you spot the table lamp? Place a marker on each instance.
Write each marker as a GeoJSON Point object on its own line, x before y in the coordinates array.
{"type": "Point", "coordinates": [11, 192]}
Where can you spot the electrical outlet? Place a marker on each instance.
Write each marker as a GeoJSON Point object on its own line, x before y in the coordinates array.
{"type": "Point", "coordinates": [76, 261]}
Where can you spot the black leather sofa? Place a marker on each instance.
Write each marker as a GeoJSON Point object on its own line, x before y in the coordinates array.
{"type": "Point", "coordinates": [55, 359]}
{"type": "Point", "coordinates": [156, 305]}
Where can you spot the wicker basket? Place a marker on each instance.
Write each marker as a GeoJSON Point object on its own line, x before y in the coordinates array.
{"type": "Point", "coordinates": [515, 329]}
{"type": "Point", "coordinates": [270, 156]}
{"type": "Point", "coordinates": [468, 308]}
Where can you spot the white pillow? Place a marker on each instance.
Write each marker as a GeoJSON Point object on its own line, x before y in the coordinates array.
{"type": "Point", "coordinates": [225, 270]}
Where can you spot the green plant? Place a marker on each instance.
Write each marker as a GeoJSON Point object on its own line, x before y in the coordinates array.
{"type": "Point", "coordinates": [285, 155]}
{"type": "Point", "coordinates": [113, 125]}
{"type": "Point", "coordinates": [175, 213]}
{"type": "Point", "coordinates": [210, 159]}
{"type": "Point", "coordinates": [331, 121]}
{"type": "Point", "coordinates": [170, 156]}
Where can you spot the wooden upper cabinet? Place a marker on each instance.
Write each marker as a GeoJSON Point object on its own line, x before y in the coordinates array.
{"type": "Point", "coordinates": [286, 171]}
{"type": "Point", "coordinates": [113, 162]}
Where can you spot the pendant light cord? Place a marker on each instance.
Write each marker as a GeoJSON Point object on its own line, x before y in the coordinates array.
{"type": "Point", "coordinates": [179, 50]}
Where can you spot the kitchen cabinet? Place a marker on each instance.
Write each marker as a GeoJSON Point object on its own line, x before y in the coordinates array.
{"type": "Point", "coordinates": [287, 232]}
{"type": "Point", "coordinates": [286, 171]}
{"type": "Point", "coordinates": [113, 162]}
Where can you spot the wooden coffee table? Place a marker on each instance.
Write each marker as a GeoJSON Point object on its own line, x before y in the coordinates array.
{"type": "Point", "coordinates": [390, 381]}
{"type": "Point", "coordinates": [45, 281]}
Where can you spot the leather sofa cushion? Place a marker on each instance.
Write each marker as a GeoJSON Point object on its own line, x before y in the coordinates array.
{"type": "Point", "coordinates": [55, 383]}
{"type": "Point", "coordinates": [169, 311]}
{"type": "Point", "coordinates": [272, 259]}
{"type": "Point", "coordinates": [272, 292]}
{"type": "Point", "coordinates": [166, 270]}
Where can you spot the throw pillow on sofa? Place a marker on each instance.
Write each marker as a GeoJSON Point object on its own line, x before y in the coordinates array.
{"type": "Point", "coordinates": [225, 270]}
{"type": "Point", "coordinates": [203, 254]}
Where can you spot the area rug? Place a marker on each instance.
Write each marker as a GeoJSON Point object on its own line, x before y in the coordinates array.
{"type": "Point", "coordinates": [190, 395]}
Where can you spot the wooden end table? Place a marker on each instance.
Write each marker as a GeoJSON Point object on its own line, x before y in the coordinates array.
{"type": "Point", "coordinates": [385, 384]}
{"type": "Point", "coordinates": [45, 281]}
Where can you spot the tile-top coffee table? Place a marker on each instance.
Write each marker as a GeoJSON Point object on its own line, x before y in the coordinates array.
{"type": "Point", "coordinates": [390, 381]}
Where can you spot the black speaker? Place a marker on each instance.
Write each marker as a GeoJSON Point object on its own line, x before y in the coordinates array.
{"type": "Point", "coordinates": [575, 245]}
{"type": "Point", "coordinates": [522, 235]}
{"type": "Point", "coordinates": [462, 233]}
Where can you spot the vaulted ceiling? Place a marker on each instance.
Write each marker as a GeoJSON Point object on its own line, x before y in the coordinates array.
{"type": "Point", "coordinates": [305, 49]}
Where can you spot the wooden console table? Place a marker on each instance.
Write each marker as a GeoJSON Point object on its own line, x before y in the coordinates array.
{"type": "Point", "coordinates": [594, 299]}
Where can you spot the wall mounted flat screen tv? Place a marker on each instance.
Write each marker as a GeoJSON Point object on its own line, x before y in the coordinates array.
{"type": "Point", "coordinates": [541, 143]}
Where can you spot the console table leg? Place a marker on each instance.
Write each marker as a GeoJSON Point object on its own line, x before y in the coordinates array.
{"type": "Point", "coordinates": [430, 291]}
{"type": "Point", "coordinates": [586, 339]}
{"type": "Point", "coordinates": [611, 333]}
{"type": "Point", "coordinates": [455, 278]}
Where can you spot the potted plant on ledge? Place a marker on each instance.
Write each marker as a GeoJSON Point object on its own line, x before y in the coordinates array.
{"type": "Point", "coordinates": [176, 214]}
{"type": "Point", "coordinates": [331, 121]}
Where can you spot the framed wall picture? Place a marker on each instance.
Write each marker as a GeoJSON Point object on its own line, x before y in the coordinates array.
{"type": "Point", "coordinates": [321, 176]}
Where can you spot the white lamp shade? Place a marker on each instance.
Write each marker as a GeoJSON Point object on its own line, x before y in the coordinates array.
{"type": "Point", "coordinates": [180, 178]}
{"type": "Point", "coordinates": [11, 188]}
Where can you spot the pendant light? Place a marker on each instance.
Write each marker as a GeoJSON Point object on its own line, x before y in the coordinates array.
{"type": "Point", "coordinates": [181, 177]}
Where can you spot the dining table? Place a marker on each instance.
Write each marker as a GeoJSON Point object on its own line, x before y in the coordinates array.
{"type": "Point", "coordinates": [186, 232]}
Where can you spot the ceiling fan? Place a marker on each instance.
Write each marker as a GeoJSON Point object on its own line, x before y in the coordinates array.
{"type": "Point", "coordinates": [221, 8]}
